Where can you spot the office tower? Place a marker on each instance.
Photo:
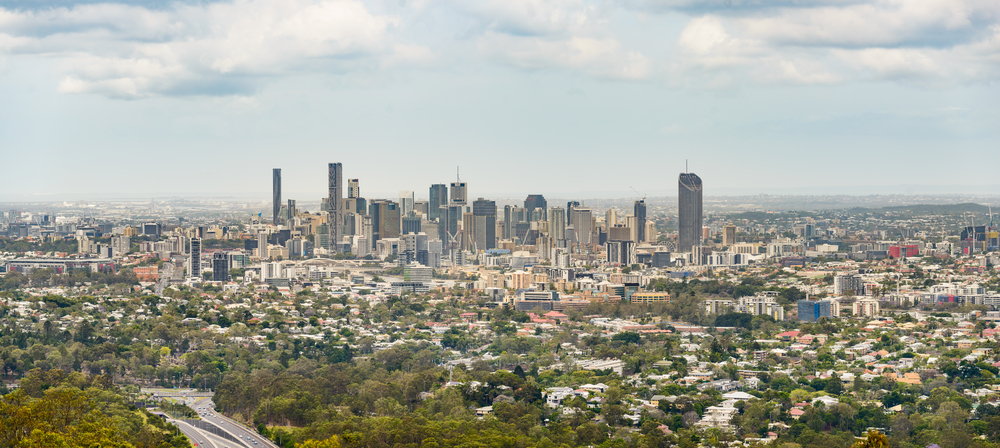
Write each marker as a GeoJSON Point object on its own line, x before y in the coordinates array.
{"type": "Point", "coordinates": [569, 208]}
{"type": "Point", "coordinates": [448, 229]}
{"type": "Point", "coordinates": [421, 207]}
{"type": "Point", "coordinates": [194, 263]}
{"type": "Point", "coordinates": [536, 201]}
{"type": "Point", "coordinates": [611, 217]}
{"type": "Point", "coordinates": [335, 219]}
{"type": "Point", "coordinates": [621, 253]}
{"type": "Point", "coordinates": [262, 245]}
{"type": "Point", "coordinates": [557, 223]}
{"type": "Point", "coordinates": [467, 237]}
{"type": "Point", "coordinates": [639, 211]}
{"type": "Point", "coordinates": [405, 202]}
{"type": "Point", "coordinates": [291, 212]}
{"type": "Point", "coordinates": [438, 199]}
{"type": "Point", "coordinates": [728, 235]}
{"type": "Point", "coordinates": [631, 222]}
{"type": "Point", "coordinates": [459, 194]}
{"type": "Point", "coordinates": [220, 267]}
{"type": "Point", "coordinates": [353, 189]}
{"type": "Point", "coordinates": [619, 233]}
{"type": "Point", "coordinates": [276, 192]}
{"type": "Point", "coordinates": [508, 221]}
{"type": "Point", "coordinates": [484, 224]}
{"type": "Point", "coordinates": [322, 238]}
{"type": "Point", "coordinates": [583, 223]}
{"type": "Point", "coordinates": [410, 224]}
{"type": "Point", "coordinates": [385, 219]}
{"type": "Point", "coordinates": [689, 217]}
{"type": "Point", "coordinates": [355, 205]}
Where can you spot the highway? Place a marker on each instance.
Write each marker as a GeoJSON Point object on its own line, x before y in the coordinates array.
{"type": "Point", "coordinates": [231, 427]}
{"type": "Point", "coordinates": [193, 434]}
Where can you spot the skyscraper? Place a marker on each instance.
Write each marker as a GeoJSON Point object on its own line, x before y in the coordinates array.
{"type": "Point", "coordinates": [405, 202]}
{"type": "Point", "coordinates": [385, 219]}
{"type": "Point", "coordinates": [484, 222]}
{"type": "Point", "coordinates": [335, 208]}
{"type": "Point", "coordinates": [220, 267]}
{"type": "Point", "coordinates": [640, 217]}
{"type": "Point", "coordinates": [557, 223]}
{"type": "Point", "coordinates": [194, 263]}
{"type": "Point", "coordinates": [689, 218]}
{"type": "Point", "coordinates": [536, 201]}
{"type": "Point", "coordinates": [291, 212]}
{"type": "Point", "coordinates": [584, 224]}
{"type": "Point", "coordinates": [353, 189]}
{"type": "Point", "coordinates": [448, 228]}
{"type": "Point", "coordinates": [438, 198]}
{"type": "Point", "coordinates": [276, 192]}
{"type": "Point", "coordinates": [458, 193]}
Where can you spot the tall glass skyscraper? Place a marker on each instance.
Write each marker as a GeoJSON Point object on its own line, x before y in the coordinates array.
{"type": "Point", "coordinates": [639, 211]}
{"type": "Point", "coordinates": [689, 211]}
{"type": "Point", "coordinates": [438, 198]}
{"type": "Point", "coordinates": [335, 208]}
{"type": "Point", "coordinates": [484, 218]}
{"type": "Point", "coordinates": [276, 191]}
{"type": "Point", "coordinates": [535, 201]}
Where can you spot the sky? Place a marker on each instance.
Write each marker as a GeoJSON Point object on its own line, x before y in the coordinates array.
{"type": "Point", "coordinates": [561, 97]}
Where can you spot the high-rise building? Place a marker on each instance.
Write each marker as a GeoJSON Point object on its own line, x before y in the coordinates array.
{"type": "Point", "coordinates": [353, 189]}
{"type": "Point", "coordinates": [335, 207]}
{"type": "Point", "coordinates": [535, 201]}
{"type": "Point", "coordinates": [583, 223]}
{"type": "Point", "coordinates": [194, 263]}
{"type": "Point", "coordinates": [459, 193]}
{"type": "Point", "coordinates": [468, 223]}
{"type": "Point", "coordinates": [448, 228]}
{"type": "Point", "coordinates": [276, 192]}
{"type": "Point", "coordinates": [405, 202]}
{"type": "Point", "coordinates": [812, 310]}
{"type": "Point", "coordinates": [512, 215]}
{"type": "Point", "coordinates": [689, 211]}
{"type": "Point", "coordinates": [410, 224]}
{"type": "Point", "coordinates": [220, 267]}
{"type": "Point", "coordinates": [621, 253]}
{"type": "Point", "coordinates": [728, 235]}
{"type": "Point", "coordinates": [611, 217]}
{"type": "Point", "coordinates": [438, 199]}
{"type": "Point", "coordinates": [385, 219]}
{"type": "Point", "coordinates": [484, 214]}
{"type": "Point", "coordinates": [557, 223]}
{"type": "Point", "coordinates": [639, 211]}
{"type": "Point", "coordinates": [291, 211]}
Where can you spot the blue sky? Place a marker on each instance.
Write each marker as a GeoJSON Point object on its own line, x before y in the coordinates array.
{"type": "Point", "coordinates": [559, 97]}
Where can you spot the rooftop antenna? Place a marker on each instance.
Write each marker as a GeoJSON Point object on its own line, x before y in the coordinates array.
{"type": "Point", "coordinates": [458, 176]}
{"type": "Point", "coordinates": [685, 165]}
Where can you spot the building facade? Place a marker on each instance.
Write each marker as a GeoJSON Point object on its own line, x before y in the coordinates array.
{"type": "Point", "coordinates": [689, 211]}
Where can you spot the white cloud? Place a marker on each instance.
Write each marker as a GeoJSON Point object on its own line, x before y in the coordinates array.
{"type": "Point", "coordinates": [556, 34]}
{"type": "Point", "coordinates": [219, 48]}
{"type": "Point", "coordinates": [235, 46]}
{"type": "Point", "coordinates": [936, 42]}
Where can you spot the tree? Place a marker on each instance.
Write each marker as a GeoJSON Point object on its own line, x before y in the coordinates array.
{"type": "Point", "coordinates": [874, 439]}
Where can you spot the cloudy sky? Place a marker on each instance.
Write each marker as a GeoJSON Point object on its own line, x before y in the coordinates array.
{"type": "Point", "coordinates": [561, 97]}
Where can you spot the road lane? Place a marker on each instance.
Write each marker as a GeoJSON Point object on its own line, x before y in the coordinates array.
{"type": "Point", "coordinates": [193, 434]}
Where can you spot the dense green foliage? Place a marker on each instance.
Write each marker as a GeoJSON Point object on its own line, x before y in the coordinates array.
{"type": "Point", "coordinates": [54, 409]}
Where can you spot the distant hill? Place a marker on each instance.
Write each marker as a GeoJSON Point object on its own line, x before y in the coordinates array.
{"type": "Point", "coordinates": [933, 209]}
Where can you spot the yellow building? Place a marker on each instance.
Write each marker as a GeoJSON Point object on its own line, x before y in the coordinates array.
{"type": "Point", "coordinates": [650, 297]}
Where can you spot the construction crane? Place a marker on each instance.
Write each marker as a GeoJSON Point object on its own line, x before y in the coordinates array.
{"type": "Point", "coordinates": [640, 194]}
